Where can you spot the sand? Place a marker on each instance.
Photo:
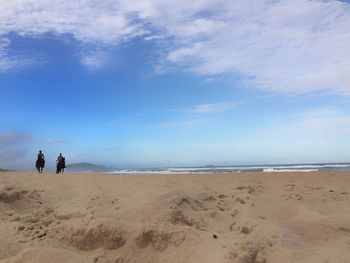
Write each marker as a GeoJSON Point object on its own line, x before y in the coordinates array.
{"type": "Point", "coordinates": [243, 218]}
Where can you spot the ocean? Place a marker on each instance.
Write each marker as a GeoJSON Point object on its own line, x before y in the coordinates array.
{"type": "Point", "coordinates": [340, 167]}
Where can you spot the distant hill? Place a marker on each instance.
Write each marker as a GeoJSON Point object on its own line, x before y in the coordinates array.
{"type": "Point", "coordinates": [86, 167]}
{"type": "Point", "coordinates": [3, 170]}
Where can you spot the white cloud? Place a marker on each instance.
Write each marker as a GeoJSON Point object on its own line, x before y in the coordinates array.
{"type": "Point", "coordinates": [290, 46]}
{"type": "Point", "coordinates": [293, 46]}
{"type": "Point", "coordinates": [89, 22]}
{"type": "Point", "coordinates": [86, 20]}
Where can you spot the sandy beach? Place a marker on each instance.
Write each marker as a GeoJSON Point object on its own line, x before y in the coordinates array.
{"type": "Point", "coordinates": [243, 218]}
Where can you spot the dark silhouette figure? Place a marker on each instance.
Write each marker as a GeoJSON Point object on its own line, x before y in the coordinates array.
{"type": "Point", "coordinates": [40, 162]}
{"type": "Point", "coordinates": [63, 164]}
{"type": "Point", "coordinates": [60, 164]}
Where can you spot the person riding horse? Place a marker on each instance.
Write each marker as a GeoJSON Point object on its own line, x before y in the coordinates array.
{"type": "Point", "coordinates": [60, 164]}
{"type": "Point", "coordinates": [40, 162]}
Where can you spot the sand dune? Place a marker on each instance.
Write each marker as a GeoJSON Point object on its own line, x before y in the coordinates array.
{"type": "Point", "coordinates": [243, 218]}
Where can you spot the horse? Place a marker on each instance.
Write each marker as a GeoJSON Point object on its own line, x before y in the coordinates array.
{"type": "Point", "coordinates": [40, 164]}
{"type": "Point", "coordinates": [60, 165]}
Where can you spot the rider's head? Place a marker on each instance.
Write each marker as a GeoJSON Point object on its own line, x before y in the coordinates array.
{"type": "Point", "coordinates": [40, 151]}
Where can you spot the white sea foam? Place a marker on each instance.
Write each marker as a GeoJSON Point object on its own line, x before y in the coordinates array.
{"type": "Point", "coordinates": [273, 170]}
{"type": "Point", "coordinates": [237, 169]}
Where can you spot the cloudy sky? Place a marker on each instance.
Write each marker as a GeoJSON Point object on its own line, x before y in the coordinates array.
{"type": "Point", "coordinates": [174, 83]}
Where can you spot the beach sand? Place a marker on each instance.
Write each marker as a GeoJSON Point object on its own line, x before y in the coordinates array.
{"type": "Point", "coordinates": [243, 218]}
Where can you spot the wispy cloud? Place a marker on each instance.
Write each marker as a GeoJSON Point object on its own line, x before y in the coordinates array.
{"type": "Point", "coordinates": [12, 155]}
{"type": "Point", "coordinates": [197, 115]}
{"type": "Point", "coordinates": [11, 144]}
{"type": "Point", "coordinates": [322, 112]}
{"type": "Point", "coordinates": [93, 62]}
{"type": "Point", "coordinates": [12, 138]}
{"type": "Point", "coordinates": [5, 62]}
{"type": "Point", "coordinates": [186, 123]}
{"type": "Point", "coordinates": [323, 121]}
{"type": "Point", "coordinates": [293, 46]}
{"type": "Point", "coordinates": [53, 141]}
{"type": "Point", "coordinates": [9, 60]}
{"type": "Point", "coordinates": [211, 108]}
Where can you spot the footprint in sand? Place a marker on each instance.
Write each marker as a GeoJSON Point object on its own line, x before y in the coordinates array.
{"type": "Point", "coordinates": [240, 200]}
{"type": "Point", "coordinates": [159, 240]}
{"type": "Point", "coordinates": [235, 213]}
{"type": "Point", "coordinates": [289, 187]}
{"type": "Point", "coordinates": [99, 233]}
{"type": "Point", "coordinates": [250, 251]}
{"type": "Point", "coordinates": [293, 197]}
{"type": "Point", "coordinates": [34, 225]}
{"type": "Point", "coordinates": [344, 229]}
{"type": "Point", "coordinates": [245, 227]}
{"type": "Point", "coordinates": [251, 189]}
{"type": "Point", "coordinates": [186, 203]}
{"type": "Point", "coordinates": [177, 217]}
{"type": "Point", "coordinates": [97, 201]}
{"type": "Point", "coordinates": [12, 194]}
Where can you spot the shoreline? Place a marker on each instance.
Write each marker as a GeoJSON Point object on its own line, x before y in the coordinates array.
{"type": "Point", "coordinates": [51, 172]}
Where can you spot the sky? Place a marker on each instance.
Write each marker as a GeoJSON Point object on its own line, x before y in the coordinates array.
{"type": "Point", "coordinates": [174, 83]}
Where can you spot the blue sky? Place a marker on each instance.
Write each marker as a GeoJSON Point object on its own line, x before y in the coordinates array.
{"type": "Point", "coordinates": [131, 84]}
